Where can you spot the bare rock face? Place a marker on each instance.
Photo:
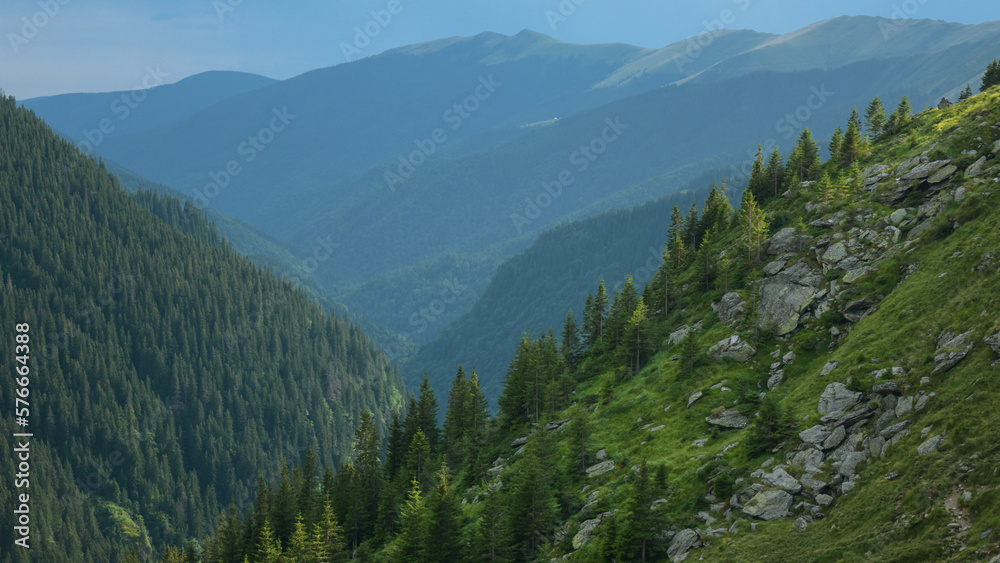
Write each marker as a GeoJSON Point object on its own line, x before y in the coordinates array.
{"type": "Point", "coordinates": [682, 543]}
{"type": "Point", "coordinates": [731, 308]}
{"type": "Point", "coordinates": [788, 240]}
{"type": "Point", "coordinates": [769, 504]}
{"type": "Point", "coordinates": [952, 348]}
{"type": "Point", "coordinates": [734, 348]}
{"type": "Point", "coordinates": [837, 399]}
{"type": "Point", "coordinates": [728, 419]}
{"type": "Point", "coordinates": [785, 297]}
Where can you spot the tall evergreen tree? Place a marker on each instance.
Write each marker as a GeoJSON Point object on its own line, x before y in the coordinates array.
{"type": "Point", "coordinates": [675, 236]}
{"type": "Point", "coordinates": [805, 161]}
{"type": "Point", "coordinates": [457, 418]}
{"type": "Point", "coordinates": [775, 171]}
{"type": "Point", "coordinates": [851, 148]}
{"type": "Point", "coordinates": [570, 339]}
{"type": "Point", "coordinates": [643, 525]}
{"type": "Point", "coordinates": [442, 542]}
{"type": "Point", "coordinates": [530, 505]}
{"type": "Point", "coordinates": [758, 182]}
{"type": "Point", "coordinates": [900, 118]}
{"type": "Point", "coordinates": [836, 144]}
{"type": "Point", "coordinates": [992, 76]}
{"type": "Point", "coordinates": [427, 412]}
{"type": "Point", "coordinates": [692, 228]}
{"type": "Point", "coordinates": [876, 119]}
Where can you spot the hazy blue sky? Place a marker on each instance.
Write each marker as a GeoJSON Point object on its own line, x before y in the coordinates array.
{"type": "Point", "coordinates": [100, 45]}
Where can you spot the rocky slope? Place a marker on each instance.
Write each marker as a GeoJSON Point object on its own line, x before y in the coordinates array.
{"type": "Point", "coordinates": [874, 326]}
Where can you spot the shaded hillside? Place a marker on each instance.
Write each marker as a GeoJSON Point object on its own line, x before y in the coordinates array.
{"type": "Point", "coordinates": [166, 371]}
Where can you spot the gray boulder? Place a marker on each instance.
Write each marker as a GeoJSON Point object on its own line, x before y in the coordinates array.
{"type": "Point", "coordinates": [837, 399]}
{"type": "Point", "coordinates": [517, 443]}
{"type": "Point", "coordinates": [911, 164]}
{"type": "Point", "coordinates": [734, 348]}
{"type": "Point", "coordinates": [943, 174]}
{"type": "Point", "coordinates": [993, 342]}
{"type": "Point", "coordinates": [786, 241]}
{"type": "Point", "coordinates": [835, 438]}
{"type": "Point", "coordinates": [780, 479]}
{"type": "Point", "coordinates": [600, 468]}
{"type": "Point", "coordinates": [679, 335]}
{"type": "Point", "coordinates": [857, 309]}
{"type": "Point", "coordinates": [731, 308]}
{"type": "Point", "coordinates": [925, 170]}
{"type": "Point", "coordinates": [695, 397]}
{"type": "Point", "coordinates": [931, 445]}
{"type": "Point", "coordinates": [836, 253]}
{"type": "Point", "coordinates": [952, 348]}
{"type": "Point", "coordinates": [815, 435]}
{"type": "Point", "coordinates": [782, 303]}
{"type": "Point", "coordinates": [768, 504]}
{"type": "Point", "coordinates": [728, 419]}
{"type": "Point", "coordinates": [682, 543]}
{"type": "Point", "coordinates": [975, 168]}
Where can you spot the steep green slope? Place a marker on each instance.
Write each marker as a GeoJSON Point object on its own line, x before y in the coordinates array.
{"type": "Point", "coordinates": [900, 331]}
{"type": "Point", "coordinates": [166, 371]}
{"type": "Point", "coordinates": [811, 379]}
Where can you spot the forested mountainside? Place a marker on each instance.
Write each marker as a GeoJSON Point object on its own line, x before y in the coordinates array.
{"type": "Point", "coordinates": [809, 377]}
{"type": "Point", "coordinates": [166, 373]}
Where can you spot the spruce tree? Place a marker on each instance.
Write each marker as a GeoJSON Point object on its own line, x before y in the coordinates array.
{"type": "Point", "coordinates": [578, 439]}
{"type": "Point", "coordinates": [456, 419]}
{"type": "Point", "coordinates": [992, 76]}
{"type": "Point", "coordinates": [692, 228]}
{"type": "Point", "coordinates": [427, 412]}
{"type": "Point", "coordinates": [442, 542]}
{"type": "Point", "coordinates": [570, 339]}
{"type": "Point", "coordinates": [636, 337]}
{"type": "Point", "coordinates": [642, 524]}
{"type": "Point", "coordinates": [775, 170]}
{"type": "Point", "coordinates": [876, 119]}
{"type": "Point", "coordinates": [836, 144]}
{"type": "Point", "coordinates": [758, 182]}
{"type": "Point", "coordinates": [851, 148]}
{"type": "Point", "coordinates": [530, 505]}
{"type": "Point", "coordinates": [966, 94]}
{"type": "Point", "coordinates": [675, 236]}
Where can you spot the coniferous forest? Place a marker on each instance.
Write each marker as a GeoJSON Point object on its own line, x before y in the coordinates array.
{"type": "Point", "coordinates": [168, 373]}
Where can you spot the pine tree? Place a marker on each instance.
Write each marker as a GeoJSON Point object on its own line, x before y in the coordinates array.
{"type": "Point", "coordinates": [876, 119]}
{"type": "Point", "coordinates": [328, 545]}
{"type": "Point", "coordinates": [301, 548]}
{"type": "Point", "coordinates": [491, 540]}
{"type": "Point", "coordinates": [755, 225]}
{"type": "Point", "coordinates": [636, 335]}
{"type": "Point", "coordinates": [419, 454]}
{"type": "Point", "coordinates": [851, 148]}
{"type": "Point", "coordinates": [758, 182]}
{"type": "Point", "coordinates": [966, 94]}
{"type": "Point", "coordinates": [268, 547]}
{"type": "Point", "coordinates": [530, 505]}
{"type": "Point", "coordinates": [805, 159]}
{"type": "Point", "coordinates": [643, 525]}
{"type": "Point", "coordinates": [825, 189]}
{"type": "Point", "coordinates": [442, 543]}
{"type": "Point", "coordinates": [427, 412]}
{"type": "Point", "coordinates": [599, 315]}
{"type": "Point", "coordinates": [368, 467]}
{"type": "Point", "coordinates": [570, 339]}
{"type": "Point", "coordinates": [456, 419]}
{"type": "Point", "coordinates": [578, 439]}
{"type": "Point", "coordinates": [621, 311]}
{"type": "Point", "coordinates": [514, 400]}
{"type": "Point", "coordinates": [675, 236]}
{"type": "Point", "coordinates": [396, 448]}
{"type": "Point", "coordinates": [775, 170]}
{"type": "Point", "coordinates": [836, 144]}
{"type": "Point", "coordinates": [411, 540]}
{"type": "Point", "coordinates": [692, 228]}
{"type": "Point", "coordinates": [900, 118]}
{"type": "Point", "coordinates": [992, 76]}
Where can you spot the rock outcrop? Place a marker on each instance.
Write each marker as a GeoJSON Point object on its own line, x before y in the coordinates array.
{"type": "Point", "coordinates": [769, 504]}
{"type": "Point", "coordinates": [734, 348]}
